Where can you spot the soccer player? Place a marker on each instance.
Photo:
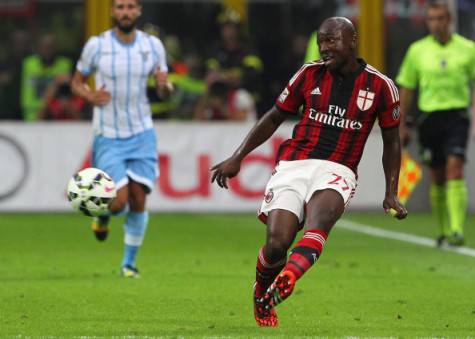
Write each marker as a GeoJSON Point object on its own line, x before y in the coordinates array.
{"type": "Point", "coordinates": [315, 175]}
{"type": "Point", "coordinates": [442, 67]}
{"type": "Point", "coordinates": [125, 140]}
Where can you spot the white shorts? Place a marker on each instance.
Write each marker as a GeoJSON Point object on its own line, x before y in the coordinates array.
{"type": "Point", "coordinates": [293, 183]}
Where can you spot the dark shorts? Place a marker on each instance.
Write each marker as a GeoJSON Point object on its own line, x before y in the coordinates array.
{"type": "Point", "coordinates": [443, 133]}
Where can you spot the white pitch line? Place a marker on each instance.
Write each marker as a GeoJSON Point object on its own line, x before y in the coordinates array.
{"type": "Point", "coordinates": [413, 239]}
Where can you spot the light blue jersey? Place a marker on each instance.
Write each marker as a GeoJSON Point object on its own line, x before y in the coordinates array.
{"type": "Point", "coordinates": [124, 70]}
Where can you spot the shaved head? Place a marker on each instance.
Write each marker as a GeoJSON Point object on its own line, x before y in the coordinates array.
{"type": "Point", "coordinates": [336, 40]}
{"type": "Point", "coordinates": [339, 24]}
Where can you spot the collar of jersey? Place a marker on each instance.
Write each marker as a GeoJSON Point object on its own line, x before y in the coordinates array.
{"type": "Point", "coordinates": [123, 44]}
{"type": "Point", "coordinates": [354, 74]}
{"type": "Point", "coordinates": [438, 44]}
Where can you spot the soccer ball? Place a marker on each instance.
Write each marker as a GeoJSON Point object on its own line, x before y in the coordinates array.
{"type": "Point", "coordinates": [90, 191]}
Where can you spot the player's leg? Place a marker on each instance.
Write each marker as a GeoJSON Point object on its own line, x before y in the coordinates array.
{"type": "Point", "coordinates": [100, 225]}
{"type": "Point", "coordinates": [282, 226]}
{"type": "Point", "coordinates": [330, 187]}
{"type": "Point", "coordinates": [457, 198]}
{"type": "Point", "coordinates": [142, 172]}
{"type": "Point", "coordinates": [323, 210]}
{"type": "Point", "coordinates": [107, 156]}
{"type": "Point", "coordinates": [432, 137]}
{"type": "Point", "coordinates": [282, 212]}
{"type": "Point", "coordinates": [438, 201]}
{"type": "Point", "coordinates": [134, 228]}
{"type": "Point", "coordinates": [120, 203]}
{"type": "Point", "coordinates": [457, 192]}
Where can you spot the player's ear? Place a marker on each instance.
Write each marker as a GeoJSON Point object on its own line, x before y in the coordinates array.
{"type": "Point", "coordinates": [353, 41]}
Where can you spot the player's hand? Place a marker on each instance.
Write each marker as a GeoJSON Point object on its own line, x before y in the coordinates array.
{"type": "Point", "coordinates": [405, 135]}
{"type": "Point", "coordinates": [165, 87]}
{"type": "Point", "coordinates": [100, 97]}
{"type": "Point", "coordinates": [393, 206]}
{"type": "Point", "coordinates": [161, 79]}
{"type": "Point", "coordinates": [227, 169]}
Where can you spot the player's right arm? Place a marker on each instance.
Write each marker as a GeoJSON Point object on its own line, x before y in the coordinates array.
{"type": "Point", "coordinates": [288, 102]}
{"type": "Point", "coordinates": [79, 87]}
{"type": "Point", "coordinates": [407, 96]}
{"type": "Point", "coordinates": [262, 130]}
{"type": "Point", "coordinates": [87, 65]}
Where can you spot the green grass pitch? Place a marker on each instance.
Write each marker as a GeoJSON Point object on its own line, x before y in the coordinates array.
{"type": "Point", "coordinates": [197, 272]}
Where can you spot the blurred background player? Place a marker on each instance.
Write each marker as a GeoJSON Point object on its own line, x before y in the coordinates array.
{"type": "Point", "coordinates": [39, 72]}
{"type": "Point", "coordinates": [315, 175]}
{"type": "Point", "coordinates": [125, 143]}
{"type": "Point", "coordinates": [11, 75]}
{"type": "Point", "coordinates": [62, 104]}
{"type": "Point", "coordinates": [442, 67]}
{"type": "Point", "coordinates": [223, 102]}
{"type": "Point", "coordinates": [233, 59]}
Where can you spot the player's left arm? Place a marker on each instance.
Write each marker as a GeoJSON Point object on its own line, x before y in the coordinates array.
{"type": "Point", "coordinates": [164, 86]}
{"type": "Point", "coordinates": [389, 119]}
{"type": "Point", "coordinates": [391, 166]}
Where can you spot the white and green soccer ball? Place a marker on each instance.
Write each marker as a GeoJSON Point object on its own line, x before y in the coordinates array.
{"type": "Point", "coordinates": [90, 191]}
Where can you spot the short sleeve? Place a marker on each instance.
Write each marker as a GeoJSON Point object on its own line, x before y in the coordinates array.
{"type": "Point", "coordinates": [159, 54]}
{"type": "Point", "coordinates": [292, 97]}
{"type": "Point", "coordinates": [408, 73]}
{"type": "Point", "coordinates": [87, 63]}
{"type": "Point", "coordinates": [389, 112]}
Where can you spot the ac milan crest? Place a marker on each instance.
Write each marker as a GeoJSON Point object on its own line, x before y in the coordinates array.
{"type": "Point", "coordinates": [365, 100]}
{"type": "Point", "coordinates": [269, 196]}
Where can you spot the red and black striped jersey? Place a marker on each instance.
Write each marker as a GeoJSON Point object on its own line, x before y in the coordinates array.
{"type": "Point", "coordinates": [338, 112]}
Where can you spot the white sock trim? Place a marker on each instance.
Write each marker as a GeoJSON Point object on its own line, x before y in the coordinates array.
{"type": "Point", "coordinates": [133, 240]}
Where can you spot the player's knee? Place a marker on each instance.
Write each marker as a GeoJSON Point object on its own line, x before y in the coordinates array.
{"type": "Point", "coordinates": [276, 248]}
{"type": "Point", "coordinates": [137, 201]}
{"type": "Point", "coordinates": [118, 204]}
{"type": "Point", "coordinates": [455, 171]}
{"type": "Point", "coordinates": [324, 218]}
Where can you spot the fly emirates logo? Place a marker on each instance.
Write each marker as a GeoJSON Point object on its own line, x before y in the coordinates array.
{"type": "Point", "coordinates": [334, 117]}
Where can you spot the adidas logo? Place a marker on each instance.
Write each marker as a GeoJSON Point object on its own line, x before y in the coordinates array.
{"type": "Point", "coordinates": [316, 91]}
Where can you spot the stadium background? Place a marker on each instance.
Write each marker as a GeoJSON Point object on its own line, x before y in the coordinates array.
{"type": "Point", "coordinates": [378, 277]}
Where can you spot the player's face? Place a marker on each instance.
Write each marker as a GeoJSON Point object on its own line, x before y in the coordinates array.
{"type": "Point", "coordinates": [334, 48]}
{"type": "Point", "coordinates": [438, 21]}
{"type": "Point", "coordinates": [125, 14]}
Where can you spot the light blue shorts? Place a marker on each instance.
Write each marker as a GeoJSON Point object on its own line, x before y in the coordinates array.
{"type": "Point", "coordinates": [132, 158]}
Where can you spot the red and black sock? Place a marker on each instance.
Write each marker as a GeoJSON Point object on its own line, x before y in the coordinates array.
{"type": "Point", "coordinates": [306, 252]}
{"type": "Point", "coordinates": [266, 272]}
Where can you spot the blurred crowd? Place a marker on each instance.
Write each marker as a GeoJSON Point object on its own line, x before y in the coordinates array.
{"type": "Point", "coordinates": [224, 82]}
{"type": "Point", "coordinates": [223, 66]}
